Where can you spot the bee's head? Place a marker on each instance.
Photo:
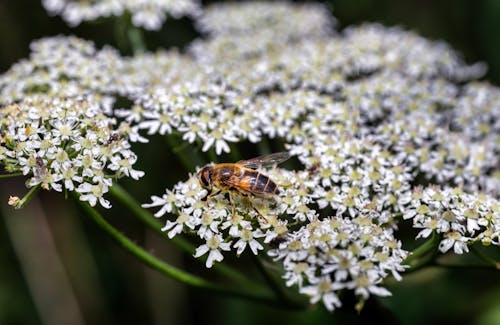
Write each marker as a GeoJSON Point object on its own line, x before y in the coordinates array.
{"type": "Point", "coordinates": [204, 176]}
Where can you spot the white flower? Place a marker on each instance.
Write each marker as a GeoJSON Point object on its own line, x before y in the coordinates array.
{"type": "Point", "coordinates": [65, 143]}
{"type": "Point", "coordinates": [247, 238]}
{"type": "Point", "coordinates": [148, 14]}
{"type": "Point", "coordinates": [323, 290]}
{"type": "Point", "coordinates": [93, 193]}
{"type": "Point", "coordinates": [245, 228]}
{"type": "Point", "coordinates": [167, 202]}
{"type": "Point", "coordinates": [456, 240]}
{"type": "Point", "coordinates": [213, 246]}
{"type": "Point", "coordinates": [177, 227]}
{"type": "Point", "coordinates": [327, 256]}
{"type": "Point", "coordinates": [364, 286]}
{"type": "Point", "coordinates": [370, 112]}
{"type": "Point", "coordinates": [460, 217]}
{"type": "Point", "coordinates": [124, 165]}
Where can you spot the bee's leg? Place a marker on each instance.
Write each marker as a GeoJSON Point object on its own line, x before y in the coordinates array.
{"type": "Point", "coordinates": [233, 212]}
{"type": "Point", "coordinates": [258, 212]}
{"type": "Point", "coordinates": [209, 195]}
{"type": "Point", "coordinates": [253, 207]}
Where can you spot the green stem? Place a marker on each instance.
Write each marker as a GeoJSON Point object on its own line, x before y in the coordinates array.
{"type": "Point", "coordinates": [465, 266]}
{"type": "Point", "coordinates": [27, 197]}
{"type": "Point", "coordinates": [168, 269]}
{"type": "Point", "coordinates": [128, 37]}
{"type": "Point", "coordinates": [11, 175]}
{"type": "Point", "coordinates": [150, 221]}
{"type": "Point", "coordinates": [142, 214]}
{"type": "Point", "coordinates": [120, 27]}
{"type": "Point", "coordinates": [136, 39]}
{"type": "Point", "coordinates": [488, 260]}
{"type": "Point", "coordinates": [188, 156]}
{"type": "Point", "coordinates": [276, 287]}
{"type": "Point", "coordinates": [424, 254]}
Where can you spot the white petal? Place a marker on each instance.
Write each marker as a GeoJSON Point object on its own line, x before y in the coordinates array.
{"type": "Point", "coordinates": [214, 255]}
{"type": "Point", "coordinates": [201, 251]}
{"type": "Point", "coordinates": [379, 291]}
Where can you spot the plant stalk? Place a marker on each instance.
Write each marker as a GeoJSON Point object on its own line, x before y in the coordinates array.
{"type": "Point", "coordinates": [150, 221]}
{"type": "Point", "coordinates": [167, 269]}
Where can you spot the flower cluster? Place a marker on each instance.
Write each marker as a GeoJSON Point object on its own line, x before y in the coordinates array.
{"type": "Point", "coordinates": [220, 114]}
{"type": "Point", "coordinates": [460, 218]}
{"type": "Point", "coordinates": [478, 111]}
{"type": "Point", "coordinates": [253, 223]}
{"type": "Point", "coordinates": [356, 177]}
{"type": "Point", "coordinates": [358, 53]}
{"type": "Point", "coordinates": [334, 254]}
{"type": "Point", "coordinates": [374, 114]}
{"type": "Point", "coordinates": [67, 66]}
{"type": "Point", "coordinates": [408, 53]}
{"type": "Point", "coordinates": [66, 144]}
{"type": "Point", "coordinates": [149, 14]}
{"type": "Point", "coordinates": [448, 158]}
{"type": "Point", "coordinates": [62, 67]}
{"type": "Point", "coordinates": [322, 256]}
{"type": "Point", "coordinates": [282, 19]}
{"type": "Point", "coordinates": [246, 30]}
{"type": "Point", "coordinates": [212, 115]}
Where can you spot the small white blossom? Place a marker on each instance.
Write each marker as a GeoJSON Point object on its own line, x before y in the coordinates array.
{"type": "Point", "coordinates": [247, 238]}
{"type": "Point", "coordinates": [327, 256]}
{"type": "Point", "coordinates": [65, 144]}
{"type": "Point", "coordinates": [460, 217]}
{"type": "Point", "coordinates": [375, 115]}
{"type": "Point", "coordinates": [213, 246]}
{"type": "Point", "coordinates": [245, 229]}
{"type": "Point", "coordinates": [148, 14]}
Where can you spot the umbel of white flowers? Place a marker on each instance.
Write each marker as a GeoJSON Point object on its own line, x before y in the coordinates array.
{"type": "Point", "coordinates": [66, 143]}
{"type": "Point", "coordinates": [389, 127]}
{"type": "Point", "coordinates": [148, 14]}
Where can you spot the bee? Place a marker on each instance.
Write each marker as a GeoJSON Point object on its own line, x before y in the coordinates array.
{"type": "Point", "coordinates": [241, 178]}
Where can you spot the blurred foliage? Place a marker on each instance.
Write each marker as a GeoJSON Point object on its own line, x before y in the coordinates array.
{"type": "Point", "coordinates": [112, 287]}
{"type": "Point", "coordinates": [471, 27]}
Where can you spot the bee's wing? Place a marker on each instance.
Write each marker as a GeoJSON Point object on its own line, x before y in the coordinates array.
{"type": "Point", "coordinates": [266, 160]}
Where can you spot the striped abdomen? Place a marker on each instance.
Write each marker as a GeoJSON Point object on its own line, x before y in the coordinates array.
{"type": "Point", "coordinates": [259, 183]}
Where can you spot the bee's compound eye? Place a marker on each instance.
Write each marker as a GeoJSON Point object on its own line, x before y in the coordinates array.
{"type": "Point", "coordinates": [204, 177]}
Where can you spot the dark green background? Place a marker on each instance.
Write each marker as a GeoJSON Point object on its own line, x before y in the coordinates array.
{"type": "Point", "coordinates": [124, 292]}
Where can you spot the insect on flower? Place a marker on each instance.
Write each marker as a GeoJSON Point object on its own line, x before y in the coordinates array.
{"type": "Point", "coordinates": [241, 178]}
